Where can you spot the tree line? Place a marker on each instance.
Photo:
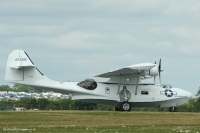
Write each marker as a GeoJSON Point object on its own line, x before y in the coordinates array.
{"type": "Point", "coordinates": [67, 104]}
{"type": "Point", "coordinates": [45, 104]}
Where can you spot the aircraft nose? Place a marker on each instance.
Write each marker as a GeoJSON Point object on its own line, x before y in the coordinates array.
{"type": "Point", "coordinates": [189, 95]}
{"type": "Point", "coordinates": [184, 93]}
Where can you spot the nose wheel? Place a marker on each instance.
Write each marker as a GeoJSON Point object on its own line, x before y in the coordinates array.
{"type": "Point", "coordinates": [124, 106]}
{"type": "Point", "coordinates": [172, 109]}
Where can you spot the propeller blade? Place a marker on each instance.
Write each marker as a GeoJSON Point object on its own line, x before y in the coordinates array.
{"type": "Point", "coordinates": [159, 70]}
{"type": "Point", "coordinates": [160, 77]}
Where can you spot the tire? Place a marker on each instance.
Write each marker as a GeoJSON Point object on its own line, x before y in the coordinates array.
{"type": "Point", "coordinates": [172, 109]}
{"type": "Point", "coordinates": [125, 106]}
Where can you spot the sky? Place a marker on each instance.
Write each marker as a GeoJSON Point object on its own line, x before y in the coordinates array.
{"type": "Point", "coordinates": [74, 40]}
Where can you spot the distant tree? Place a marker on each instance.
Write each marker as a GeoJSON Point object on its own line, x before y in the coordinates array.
{"type": "Point", "coordinates": [3, 103]}
{"type": "Point", "coordinates": [85, 105]}
{"type": "Point", "coordinates": [5, 88]}
{"type": "Point", "coordinates": [197, 103]}
{"type": "Point", "coordinates": [105, 107]}
{"type": "Point", "coordinates": [24, 88]}
{"type": "Point", "coordinates": [31, 103]}
{"type": "Point", "coordinates": [21, 103]}
{"type": "Point", "coordinates": [42, 103]}
{"type": "Point", "coordinates": [198, 93]}
{"type": "Point", "coordinates": [67, 102]}
{"type": "Point", "coordinates": [21, 88]}
{"type": "Point", "coordinates": [16, 86]}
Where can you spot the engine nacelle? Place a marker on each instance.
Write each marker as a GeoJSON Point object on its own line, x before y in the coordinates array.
{"type": "Point", "coordinates": [151, 73]}
{"type": "Point", "coordinates": [154, 71]}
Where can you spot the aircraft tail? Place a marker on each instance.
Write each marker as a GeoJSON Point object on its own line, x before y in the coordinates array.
{"type": "Point", "coordinates": [21, 69]}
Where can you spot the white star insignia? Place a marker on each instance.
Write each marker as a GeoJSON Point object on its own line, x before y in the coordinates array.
{"type": "Point", "coordinates": [169, 93]}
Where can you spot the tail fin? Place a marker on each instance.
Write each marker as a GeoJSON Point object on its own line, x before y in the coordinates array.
{"type": "Point", "coordinates": [18, 59]}
{"type": "Point", "coordinates": [19, 67]}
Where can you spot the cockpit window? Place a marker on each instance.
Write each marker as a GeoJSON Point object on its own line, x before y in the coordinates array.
{"type": "Point", "coordinates": [88, 84]}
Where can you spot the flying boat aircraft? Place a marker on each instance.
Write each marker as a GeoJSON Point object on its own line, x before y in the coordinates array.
{"type": "Point", "coordinates": [123, 90]}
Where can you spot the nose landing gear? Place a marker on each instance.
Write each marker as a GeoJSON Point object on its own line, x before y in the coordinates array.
{"type": "Point", "coordinates": [172, 109]}
{"type": "Point", "coordinates": [124, 106]}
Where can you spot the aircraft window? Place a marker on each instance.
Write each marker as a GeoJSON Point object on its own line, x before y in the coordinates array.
{"type": "Point", "coordinates": [88, 84]}
{"type": "Point", "coordinates": [144, 92]}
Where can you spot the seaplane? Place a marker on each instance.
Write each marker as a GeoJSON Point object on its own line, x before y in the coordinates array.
{"type": "Point", "coordinates": [123, 89]}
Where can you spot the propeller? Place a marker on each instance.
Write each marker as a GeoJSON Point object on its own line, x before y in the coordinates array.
{"type": "Point", "coordinates": [160, 70]}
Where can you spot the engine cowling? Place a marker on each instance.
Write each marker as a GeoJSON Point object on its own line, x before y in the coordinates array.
{"type": "Point", "coordinates": [154, 71]}
{"type": "Point", "coordinates": [151, 73]}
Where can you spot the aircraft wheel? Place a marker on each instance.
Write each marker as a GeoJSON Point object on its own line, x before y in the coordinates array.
{"type": "Point", "coordinates": [172, 109]}
{"type": "Point", "coordinates": [125, 106]}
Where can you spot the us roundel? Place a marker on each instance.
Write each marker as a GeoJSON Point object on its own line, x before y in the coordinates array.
{"type": "Point", "coordinates": [168, 93]}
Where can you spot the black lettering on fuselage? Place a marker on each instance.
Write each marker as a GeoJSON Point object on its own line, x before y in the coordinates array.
{"type": "Point", "coordinates": [20, 59]}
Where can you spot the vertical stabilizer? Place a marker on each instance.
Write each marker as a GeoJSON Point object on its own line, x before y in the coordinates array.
{"type": "Point", "coordinates": [17, 61]}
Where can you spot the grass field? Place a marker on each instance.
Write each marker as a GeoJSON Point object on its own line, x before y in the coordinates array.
{"type": "Point", "coordinates": [99, 122]}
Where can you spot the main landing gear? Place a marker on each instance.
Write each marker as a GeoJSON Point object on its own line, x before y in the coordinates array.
{"type": "Point", "coordinates": [124, 106]}
{"type": "Point", "coordinates": [172, 109]}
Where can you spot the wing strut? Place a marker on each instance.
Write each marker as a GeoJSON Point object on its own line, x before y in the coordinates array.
{"type": "Point", "coordinates": [137, 83]}
{"type": "Point", "coordinates": [119, 84]}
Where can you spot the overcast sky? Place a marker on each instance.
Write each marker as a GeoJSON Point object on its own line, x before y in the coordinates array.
{"type": "Point", "coordinates": [74, 40]}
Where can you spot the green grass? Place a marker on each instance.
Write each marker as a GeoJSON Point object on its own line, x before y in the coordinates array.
{"type": "Point", "coordinates": [99, 122]}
